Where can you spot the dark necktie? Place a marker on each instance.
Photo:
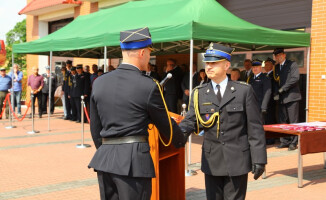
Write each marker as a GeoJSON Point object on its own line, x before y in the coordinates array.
{"type": "Point", "coordinates": [281, 66]}
{"type": "Point", "coordinates": [219, 96]}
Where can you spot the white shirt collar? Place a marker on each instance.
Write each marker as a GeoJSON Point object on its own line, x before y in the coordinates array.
{"type": "Point", "coordinates": [269, 72]}
{"type": "Point", "coordinates": [257, 75]}
{"type": "Point", "coordinates": [283, 62]}
{"type": "Point", "coordinates": [223, 85]}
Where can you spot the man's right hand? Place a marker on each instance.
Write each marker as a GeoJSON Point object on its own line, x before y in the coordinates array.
{"type": "Point", "coordinates": [187, 92]}
{"type": "Point", "coordinates": [277, 97]}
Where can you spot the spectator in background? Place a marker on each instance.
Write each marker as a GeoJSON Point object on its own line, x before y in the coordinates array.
{"type": "Point", "coordinates": [270, 117]}
{"type": "Point", "coordinates": [100, 72]}
{"type": "Point", "coordinates": [35, 83]}
{"type": "Point", "coordinates": [172, 89]}
{"type": "Point", "coordinates": [94, 75]}
{"type": "Point", "coordinates": [185, 83]}
{"type": "Point", "coordinates": [46, 89]}
{"type": "Point", "coordinates": [5, 85]}
{"type": "Point", "coordinates": [246, 73]}
{"type": "Point", "coordinates": [17, 77]}
{"type": "Point", "coordinates": [287, 93]}
{"type": "Point", "coordinates": [235, 74]}
{"type": "Point", "coordinates": [149, 72]}
{"type": "Point", "coordinates": [202, 78]}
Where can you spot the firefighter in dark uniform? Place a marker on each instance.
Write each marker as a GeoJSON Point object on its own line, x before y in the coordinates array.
{"type": "Point", "coordinates": [80, 87]}
{"type": "Point", "coordinates": [123, 103]}
{"type": "Point", "coordinates": [234, 138]}
{"type": "Point", "coordinates": [65, 89]}
{"type": "Point", "coordinates": [46, 88]}
{"type": "Point", "coordinates": [72, 84]}
{"type": "Point", "coordinates": [270, 117]}
{"type": "Point", "coordinates": [261, 85]}
{"type": "Point", "coordinates": [287, 93]}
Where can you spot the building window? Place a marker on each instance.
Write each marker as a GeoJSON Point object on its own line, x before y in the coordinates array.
{"type": "Point", "coordinates": [56, 25]}
{"type": "Point", "coordinates": [297, 56]}
{"type": "Point", "coordinates": [262, 56]}
{"type": "Point", "coordinates": [237, 60]}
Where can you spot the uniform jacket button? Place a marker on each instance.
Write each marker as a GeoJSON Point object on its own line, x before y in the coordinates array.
{"type": "Point", "coordinates": [223, 143]}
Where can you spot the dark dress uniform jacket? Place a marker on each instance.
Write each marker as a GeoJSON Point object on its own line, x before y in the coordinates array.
{"type": "Point", "coordinates": [65, 85]}
{"type": "Point", "coordinates": [123, 103]}
{"type": "Point", "coordinates": [79, 85]}
{"type": "Point", "coordinates": [262, 87]}
{"type": "Point", "coordinates": [241, 140]}
{"type": "Point", "coordinates": [46, 81]}
{"type": "Point", "coordinates": [289, 81]}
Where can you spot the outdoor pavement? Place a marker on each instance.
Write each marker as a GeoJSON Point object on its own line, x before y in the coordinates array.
{"type": "Point", "coordinates": [48, 166]}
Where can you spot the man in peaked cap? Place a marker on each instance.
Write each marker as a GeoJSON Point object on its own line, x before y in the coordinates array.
{"type": "Point", "coordinates": [123, 103]}
{"type": "Point", "coordinates": [234, 138]}
{"type": "Point", "coordinates": [287, 93]}
{"type": "Point", "coordinates": [261, 85]}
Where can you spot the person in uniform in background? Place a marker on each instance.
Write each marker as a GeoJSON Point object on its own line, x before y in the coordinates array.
{"type": "Point", "coordinates": [261, 85]}
{"type": "Point", "coordinates": [66, 89]}
{"type": "Point", "coordinates": [235, 74]}
{"type": "Point", "coordinates": [5, 85]}
{"type": "Point", "coordinates": [172, 88]}
{"type": "Point", "coordinates": [288, 94]}
{"type": "Point", "coordinates": [185, 83]}
{"type": "Point", "coordinates": [234, 138]}
{"type": "Point", "coordinates": [17, 77]}
{"type": "Point", "coordinates": [246, 73]}
{"type": "Point", "coordinates": [35, 83]}
{"type": "Point", "coordinates": [270, 117]}
{"type": "Point", "coordinates": [46, 88]}
{"type": "Point", "coordinates": [123, 103]}
{"type": "Point", "coordinates": [80, 87]}
{"type": "Point", "coordinates": [71, 93]}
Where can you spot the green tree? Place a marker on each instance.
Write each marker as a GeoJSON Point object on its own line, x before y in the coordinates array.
{"type": "Point", "coordinates": [15, 36]}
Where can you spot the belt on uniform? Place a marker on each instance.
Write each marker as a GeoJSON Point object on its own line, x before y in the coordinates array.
{"type": "Point", "coordinates": [125, 140]}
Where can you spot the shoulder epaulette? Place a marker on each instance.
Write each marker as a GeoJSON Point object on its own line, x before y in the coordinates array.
{"type": "Point", "coordinates": [241, 82]}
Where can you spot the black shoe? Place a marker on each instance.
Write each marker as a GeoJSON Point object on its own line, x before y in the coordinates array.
{"type": "Point", "coordinates": [44, 112]}
{"type": "Point", "coordinates": [66, 118]}
{"type": "Point", "coordinates": [72, 119]}
{"type": "Point", "coordinates": [30, 116]}
{"type": "Point", "coordinates": [270, 141]}
{"type": "Point", "coordinates": [40, 116]}
{"type": "Point", "coordinates": [292, 147]}
{"type": "Point", "coordinates": [78, 121]}
{"type": "Point", "coordinates": [282, 146]}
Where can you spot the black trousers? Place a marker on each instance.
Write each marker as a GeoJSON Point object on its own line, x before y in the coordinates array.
{"type": "Point", "coordinates": [45, 97]}
{"type": "Point", "coordinates": [117, 187]}
{"type": "Point", "coordinates": [76, 106]}
{"type": "Point", "coordinates": [38, 96]}
{"type": "Point", "coordinates": [226, 187]}
{"type": "Point", "coordinates": [68, 105]}
{"type": "Point", "coordinates": [289, 113]}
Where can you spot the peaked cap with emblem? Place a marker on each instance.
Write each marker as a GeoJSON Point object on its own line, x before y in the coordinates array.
{"type": "Point", "coordinates": [256, 62]}
{"type": "Point", "coordinates": [135, 39]}
{"type": "Point", "coordinates": [278, 50]}
{"type": "Point", "coordinates": [217, 52]}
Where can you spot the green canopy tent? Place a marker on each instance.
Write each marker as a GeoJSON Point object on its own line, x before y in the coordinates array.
{"type": "Point", "coordinates": [177, 26]}
{"type": "Point", "coordinates": [172, 23]}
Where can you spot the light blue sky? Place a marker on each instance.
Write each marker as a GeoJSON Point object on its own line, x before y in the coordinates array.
{"type": "Point", "coordinates": [9, 15]}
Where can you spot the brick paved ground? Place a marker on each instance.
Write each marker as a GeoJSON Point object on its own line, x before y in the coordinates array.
{"type": "Point", "coordinates": [47, 165]}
